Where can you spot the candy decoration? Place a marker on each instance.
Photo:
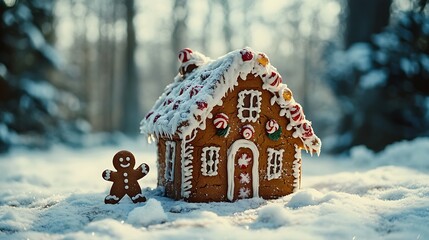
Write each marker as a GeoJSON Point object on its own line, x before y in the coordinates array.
{"type": "Point", "coordinates": [222, 132]}
{"type": "Point", "coordinates": [263, 59]}
{"type": "Point", "coordinates": [296, 113]}
{"type": "Point", "coordinates": [149, 114]}
{"type": "Point", "coordinates": [202, 105]}
{"type": "Point", "coordinates": [185, 55]}
{"type": "Point", "coordinates": [247, 131]}
{"type": "Point", "coordinates": [287, 94]}
{"type": "Point", "coordinates": [221, 121]}
{"type": "Point", "coordinates": [306, 130]}
{"type": "Point", "coordinates": [176, 104]}
{"type": "Point", "coordinates": [246, 55]}
{"type": "Point", "coordinates": [275, 135]}
{"type": "Point", "coordinates": [195, 90]}
{"type": "Point", "coordinates": [271, 126]}
{"type": "Point", "coordinates": [275, 79]}
{"type": "Point", "coordinates": [156, 118]}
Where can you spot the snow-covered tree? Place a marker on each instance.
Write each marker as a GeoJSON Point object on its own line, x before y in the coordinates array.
{"type": "Point", "coordinates": [383, 86]}
{"type": "Point", "coordinates": [31, 108]}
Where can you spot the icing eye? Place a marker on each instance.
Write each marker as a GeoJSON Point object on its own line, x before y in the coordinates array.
{"type": "Point", "coordinates": [128, 159]}
{"type": "Point", "coordinates": [121, 159]}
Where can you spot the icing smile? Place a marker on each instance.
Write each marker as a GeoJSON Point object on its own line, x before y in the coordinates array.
{"type": "Point", "coordinates": [125, 165]}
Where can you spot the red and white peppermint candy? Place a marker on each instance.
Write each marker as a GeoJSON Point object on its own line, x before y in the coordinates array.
{"type": "Point", "coordinates": [185, 55]}
{"type": "Point", "coordinates": [296, 113]}
{"type": "Point", "coordinates": [275, 79]}
{"type": "Point", "coordinates": [247, 131]}
{"type": "Point", "coordinates": [221, 121]}
{"type": "Point", "coordinates": [306, 130]}
{"type": "Point", "coordinates": [271, 126]}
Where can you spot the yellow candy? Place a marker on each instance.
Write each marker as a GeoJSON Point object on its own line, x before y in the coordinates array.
{"type": "Point", "coordinates": [263, 59]}
{"type": "Point", "coordinates": [287, 94]}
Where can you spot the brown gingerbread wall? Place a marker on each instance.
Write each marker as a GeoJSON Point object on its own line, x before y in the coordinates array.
{"type": "Point", "coordinates": [214, 188]}
{"type": "Point", "coordinates": [172, 189]}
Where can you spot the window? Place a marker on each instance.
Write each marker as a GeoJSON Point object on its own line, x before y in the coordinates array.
{"type": "Point", "coordinates": [209, 161]}
{"type": "Point", "coordinates": [170, 155]}
{"type": "Point", "coordinates": [249, 105]}
{"type": "Point", "coordinates": [274, 166]}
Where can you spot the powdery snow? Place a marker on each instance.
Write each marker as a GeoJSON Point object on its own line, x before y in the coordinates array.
{"type": "Point", "coordinates": [59, 194]}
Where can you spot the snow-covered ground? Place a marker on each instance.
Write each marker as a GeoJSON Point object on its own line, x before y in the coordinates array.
{"type": "Point", "coordinates": [58, 194]}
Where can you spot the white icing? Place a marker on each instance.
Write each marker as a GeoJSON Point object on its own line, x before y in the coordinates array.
{"type": "Point", "coordinates": [244, 178]}
{"type": "Point", "coordinates": [126, 187]}
{"type": "Point", "coordinates": [125, 174]}
{"type": "Point", "coordinates": [125, 180]}
{"type": "Point", "coordinates": [145, 168]}
{"type": "Point", "coordinates": [296, 172]}
{"type": "Point", "coordinates": [243, 193]}
{"type": "Point", "coordinates": [244, 160]}
{"type": "Point", "coordinates": [275, 163]}
{"type": "Point", "coordinates": [124, 165]}
{"type": "Point", "coordinates": [121, 159]}
{"type": "Point", "coordinates": [112, 197]}
{"type": "Point", "coordinates": [187, 157]}
{"type": "Point", "coordinates": [107, 177]}
{"type": "Point", "coordinates": [170, 156]}
{"type": "Point", "coordinates": [137, 196]}
{"type": "Point", "coordinates": [232, 151]}
{"type": "Point", "coordinates": [127, 158]}
{"type": "Point", "coordinates": [209, 167]}
{"type": "Point", "coordinates": [253, 109]}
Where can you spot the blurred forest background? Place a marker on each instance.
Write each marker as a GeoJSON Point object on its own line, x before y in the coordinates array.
{"type": "Point", "coordinates": [70, 69]}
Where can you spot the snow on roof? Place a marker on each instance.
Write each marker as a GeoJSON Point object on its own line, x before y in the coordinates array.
{"type": "Point", "coordinates": [202, 83]}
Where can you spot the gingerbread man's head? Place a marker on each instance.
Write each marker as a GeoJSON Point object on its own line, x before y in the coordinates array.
{"type": "Point", "coordinates": [124, 160]}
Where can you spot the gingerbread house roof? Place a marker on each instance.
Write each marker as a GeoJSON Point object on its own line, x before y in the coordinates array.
{"type": "Point", "coordinates": [187, 102]}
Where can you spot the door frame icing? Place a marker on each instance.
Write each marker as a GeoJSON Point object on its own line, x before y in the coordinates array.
{"type": "Point", "coordinates": [242, 143]}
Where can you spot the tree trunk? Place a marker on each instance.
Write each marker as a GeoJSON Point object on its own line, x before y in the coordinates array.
{"type": "Point", "coordinates": [130, 97]}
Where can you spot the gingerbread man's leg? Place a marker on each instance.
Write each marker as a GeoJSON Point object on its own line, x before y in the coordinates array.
{"type": "Point", "coordinates": [113, 198]}
{"type": "Point", "coordinates": [135, 194]}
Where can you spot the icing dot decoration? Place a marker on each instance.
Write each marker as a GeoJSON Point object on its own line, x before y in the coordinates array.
{"type": "Point", "coordinates": [221, 121]}
{"type": "Point", "coordinates": [271, 126]}
{"type": "Point", "coordinates": [185, 55]}
{"type": "Point", "coordinates": [247, 131]}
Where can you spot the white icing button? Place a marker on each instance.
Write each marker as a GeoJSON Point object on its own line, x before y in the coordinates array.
{"type": "Point", "coordinates": [126, 187]}
{"type": "Point", "coordinates": [126, 180]}
{"type": "Point", "coordinates": [125, 174]}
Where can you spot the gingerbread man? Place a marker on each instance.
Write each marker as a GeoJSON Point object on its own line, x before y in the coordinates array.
{"type": "Point", "coordinates": [125, 179]}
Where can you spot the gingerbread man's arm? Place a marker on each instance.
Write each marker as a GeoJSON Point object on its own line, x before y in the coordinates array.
{"type": "Point", "coordinates": [109, 175]}
{"type": "Point", "coordinates": [142, 170]}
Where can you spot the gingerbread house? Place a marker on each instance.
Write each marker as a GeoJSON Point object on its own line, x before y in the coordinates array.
{"type": "Point", "coordinates": [228, 129]}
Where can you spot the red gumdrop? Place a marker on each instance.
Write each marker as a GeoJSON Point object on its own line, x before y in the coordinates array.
{"type": "Point", "coordinates": [148, 115]}
{"type": "Point", "coordinates": [202, 105]}
{"type": "Point", "coordinates": [246, 55]}
{"type": "Point", "coordinates": [176, 105]}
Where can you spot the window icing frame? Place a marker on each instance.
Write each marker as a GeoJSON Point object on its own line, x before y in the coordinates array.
{"type": "Point", "coordinates": [241, 108]}
{"type": "Point", "coordinates": [170, 150]}
{"type": "Point", "coordinates": [277, 155]}
{"type": "Point", "coordinates": [213, 166]}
